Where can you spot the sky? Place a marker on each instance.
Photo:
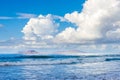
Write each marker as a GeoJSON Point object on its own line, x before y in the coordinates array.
{"type": "Point", "coordinates": [85, 25]}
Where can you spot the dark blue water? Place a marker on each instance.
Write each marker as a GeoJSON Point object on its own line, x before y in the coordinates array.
{"type": "Point", "coordinates": [59, 67]}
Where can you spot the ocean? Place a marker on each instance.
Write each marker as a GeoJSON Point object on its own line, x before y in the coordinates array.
{"type": "Point", "coordinates": [59, 67]}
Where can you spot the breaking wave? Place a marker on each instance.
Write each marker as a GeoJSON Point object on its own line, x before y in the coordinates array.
{"type": "Point", "coordinates": [29, 60]}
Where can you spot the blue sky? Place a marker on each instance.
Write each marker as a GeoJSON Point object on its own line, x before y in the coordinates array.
{"type": "Point", "coordinates": [58, 7]}
{"type": "Point", "coordinates": [89, 25]}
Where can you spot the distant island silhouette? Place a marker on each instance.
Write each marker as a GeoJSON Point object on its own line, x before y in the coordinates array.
{"type": "Point", "coordinates": [29, 52]}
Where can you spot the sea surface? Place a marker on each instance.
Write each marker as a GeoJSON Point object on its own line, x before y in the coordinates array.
{"type": "Point", "coordinates": [59, 67]}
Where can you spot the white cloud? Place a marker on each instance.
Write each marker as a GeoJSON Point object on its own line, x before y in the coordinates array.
{"type": "Point", "coordinates": [5, 17]}
{"type": "Point", "coordinates": [40, 28]}
{"type": "Point", "coordinates": [114, 34]}
{"type": "Point", "coordinates": [19, 16]}
{"type": "Point", "coordinates": [96, 21]}
{"type": "Point", "coordinates": [25, 15]}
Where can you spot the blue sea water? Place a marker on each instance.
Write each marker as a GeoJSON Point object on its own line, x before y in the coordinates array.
{"type": "Point", "coordinates": [59, 67]}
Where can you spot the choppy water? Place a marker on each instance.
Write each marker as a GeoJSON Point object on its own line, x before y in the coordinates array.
{"type": "Point", "coordinates": [59, 67]}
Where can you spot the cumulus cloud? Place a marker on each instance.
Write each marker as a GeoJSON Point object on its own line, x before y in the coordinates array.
{"type": "Point", "coordinates": [96, 21]}
{"type": "Point", "coordinates": [40, 28]}
{"type": "Point", "coordinates": [97, 25]}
